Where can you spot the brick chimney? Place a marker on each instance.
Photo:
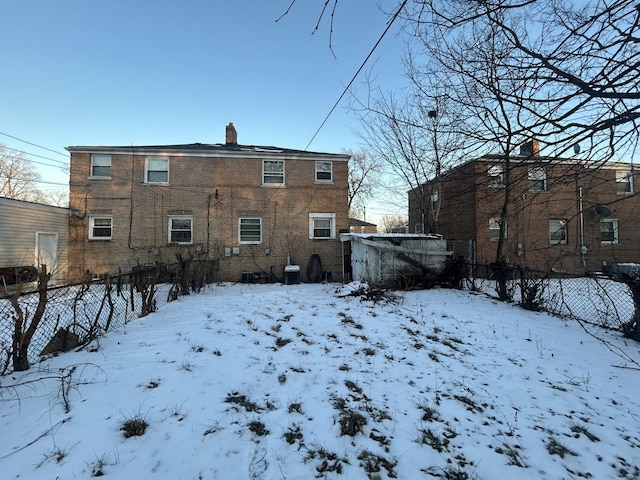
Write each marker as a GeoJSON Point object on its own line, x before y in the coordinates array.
{"type": "Point", "coordinates": [232, 135]}
{"type": "Point", "coordinates": [530, 148]}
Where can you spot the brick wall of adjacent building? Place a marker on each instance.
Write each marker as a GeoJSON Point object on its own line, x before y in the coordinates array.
{"type": "Point", "coordinates": [468, 201]}
{"type": "Point", "coordinates": [215, 192]}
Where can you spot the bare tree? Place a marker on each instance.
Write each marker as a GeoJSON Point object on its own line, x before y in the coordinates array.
{"type": "Point", "coordinates": [19, 178]}
{"type": "Point", "coordinates": [17, 175]}
{"type": "Point", "coordinates": [364, 168]}
{"type": "Point", "coordinates": [391, 222]}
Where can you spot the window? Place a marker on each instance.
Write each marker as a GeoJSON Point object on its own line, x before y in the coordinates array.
{"type": "Point", "coordinates": [322, 226]}
{"type": "Point", "coordinates": [435, 200]}
{"type": "Point", "coordinates": [181, 229]}
{"type": "Point", "coordinates": [273, 172]}
{"type": "Point", "coordinates": [494, 229]}
{"type": "Point", "coordinates": [496, 176]}
{"type": "Point", "coordinates": [156, 170]}
{"type": "Point", "coordinates": [537, 179]}
{"type": "Point", "coordinates": [250, 230]}
{"type": "Point", "coordinates": [100, 228]}
{"type": "Point", "coordinates": [557, 231]}
{"type": "Point", "coordinates": [609, 231]}
{"type": "Point", "coordinates": [101, 166]}
{"type": "Point", "coordinates": [324, 171]}
{"type": "Point", "coordinates": [624, 181]}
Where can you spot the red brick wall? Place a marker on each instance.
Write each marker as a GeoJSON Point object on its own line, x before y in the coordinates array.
{"type": "Point", "coordinates": [216, 192]}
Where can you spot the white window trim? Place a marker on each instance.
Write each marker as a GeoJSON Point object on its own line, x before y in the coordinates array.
{"type": "Point", "coordinates": [496, 176]}
{"type": "Point", "coordinates": [497, 220]}
{"type": "Point", "coordinates": [245, 242]}
{"type": "Point", "coordinates": [169, 230]}
{"type": "Point", "coordinates": [323, 180]}
{"type": "Point", "coordinates": [322, 216]}
{"type": "Point", "coordinates": [616, 231]}
{"type": "Point", "coordinates": [566, 233]}
{"type": "Point", "coordinates": [543, 179]}
{"type": "Point", "coordinates": [92, 219]}
{"type": "Point", "coordinates": [99, 177]}
{"type": "Point", "coordinates": [628, 176]}
{"type": "Point", "coordinates": [265, 184]}
{"type": "Point", "coordinates": [146, 169]}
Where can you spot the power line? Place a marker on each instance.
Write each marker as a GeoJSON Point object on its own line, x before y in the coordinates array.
{"type": "Point", "coordinates": [34, 144]}
{"type": "Point", "coordinates": [346, 89]}
{"type": "Point", "coordinates": [63, 163]}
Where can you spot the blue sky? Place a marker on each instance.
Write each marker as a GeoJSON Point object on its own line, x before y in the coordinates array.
{"type": "Point", "coordinates": [161, 72]}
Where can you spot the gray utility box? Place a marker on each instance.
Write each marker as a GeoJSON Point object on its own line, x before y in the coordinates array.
{"type": "Point", "coordinates": [291, 274]}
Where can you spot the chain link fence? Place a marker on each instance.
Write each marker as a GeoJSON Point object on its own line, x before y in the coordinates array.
{"type": "Point", "coordinates": [74, 315]}
{"type": "Point", "coordinates": [596, 299]}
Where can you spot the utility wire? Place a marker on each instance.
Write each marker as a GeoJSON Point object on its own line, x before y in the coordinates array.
{"type": "Point", "coordinates": [34, 144]}
{"type": "Point", "coordinates": [346, 89]}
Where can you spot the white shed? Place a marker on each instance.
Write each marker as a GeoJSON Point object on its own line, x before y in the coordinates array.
{"type": "Point", "coordinates": [34, 234]}
{"type": "Point", "coordinates": [391, 259]}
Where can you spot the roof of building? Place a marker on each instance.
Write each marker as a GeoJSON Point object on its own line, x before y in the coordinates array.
{"type": "Point", "coordinates": [354, 222]}
{"type": "Point", "coordinates": [31, 205]}
{"type": "Point", "coordinates": [208, 149]}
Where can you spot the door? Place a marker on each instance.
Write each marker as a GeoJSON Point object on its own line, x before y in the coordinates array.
{"type": "Point", "coordinates": [47, 253]}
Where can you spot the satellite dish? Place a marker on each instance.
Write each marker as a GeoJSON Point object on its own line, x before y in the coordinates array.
{"type": "Point", "coordinates": [576, 148]}
{"type": "Point", "coordinates": [603, 211]}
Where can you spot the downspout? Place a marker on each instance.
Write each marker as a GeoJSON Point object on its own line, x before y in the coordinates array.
{"type": "Point", "coordinates": [583, 248]}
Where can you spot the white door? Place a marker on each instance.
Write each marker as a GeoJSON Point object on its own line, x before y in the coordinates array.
{"type": "Point", "coordinates": [47, 253]}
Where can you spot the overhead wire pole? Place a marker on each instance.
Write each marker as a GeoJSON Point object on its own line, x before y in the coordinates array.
{"type": "Point", "coordinates": [346, 89]}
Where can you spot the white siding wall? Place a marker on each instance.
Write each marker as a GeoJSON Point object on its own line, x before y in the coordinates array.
{"type": "Point", "coordinates": [19, 222]}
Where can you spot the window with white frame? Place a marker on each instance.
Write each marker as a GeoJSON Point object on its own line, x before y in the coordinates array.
{"type": "Point", "coordinates": [537, 179]}
{"type": "Point", "coordinates": [494, 229]}
{"type": "Point", "coordinates": [100, 227]}
{"type": "Point", "coordinates": [101, 166]}
{"type": "Point", "coordinates": [180, 229]}
{"type": "Point", "coordinates": [609, 230]}
{"type": "Point", "coordinates": [250, 230]}
{"type": "Point", "coordinates": [322, 226]}
{"type": "Point", "coordinates": [624, 181]}
{"type": "Point", "coordinates": [156, 170]}
{"type": "Point", "coordinates": [435, 200]}
{"type": "Point", "coordinates": [273, 172]}
{"type": "Point", "coordinates": [557, 231]}
{"type": "Point", "coordinates": [496, 176]}
{"type": "Point", "coordinates": [324, 171]}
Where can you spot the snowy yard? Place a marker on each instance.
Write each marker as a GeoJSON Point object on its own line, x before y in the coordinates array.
{"type": "Point", "coordinates": [301, 381]}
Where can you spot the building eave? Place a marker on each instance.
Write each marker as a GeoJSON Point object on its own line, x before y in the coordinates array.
{"type": "Point", "coordinates": [212, 151]}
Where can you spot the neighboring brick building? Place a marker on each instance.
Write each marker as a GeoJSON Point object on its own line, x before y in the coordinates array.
{"type": "Point", "coordinates": [246, 208]}
{"type": "Point", "coordinates": [564, 215]}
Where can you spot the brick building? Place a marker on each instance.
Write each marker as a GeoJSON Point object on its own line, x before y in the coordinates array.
{"type": "Point", "coordinates": [245, 208]}
{"type": "Point", "coordinates": [563, 215]}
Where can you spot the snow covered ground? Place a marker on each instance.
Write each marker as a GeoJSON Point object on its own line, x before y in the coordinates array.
{"type": "Point", "coordinates": [303, 381]}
